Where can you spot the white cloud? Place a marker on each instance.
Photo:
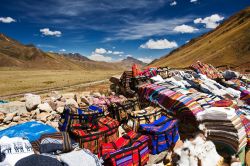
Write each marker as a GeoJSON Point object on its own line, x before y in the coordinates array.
{"type": "Point", "coordinates": [100, 51]}
{"type": "Point", "coordinates": [185, 29]}
{"type": "Point", "coordinates": [159, 44]}
{"type": "Point", "coordinates": [7, 20]}
{"type": "Point", "coordinates": [173, 3]}
{"type": "Point", "coordinates": [210, 22]}
{"type": "Point", "coordinates": [62, 50]}
{"type": "Point", "coordinates": [109, 52]}
{"type": "Point", "coordinates": [193, 1]}
{"type": "Point", "coordinates": [117, 52]}
{"type": "Point", "coordinates": [140, 29]}
{"type": "Point", "coordinates": [48, 32]}
{"type": "Point", "coordinates": [145, 60]}
{"type": "Point", "coordinates": [98, 57]}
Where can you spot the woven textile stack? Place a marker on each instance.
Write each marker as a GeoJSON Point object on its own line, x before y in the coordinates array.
{"type": "Point", "coordinates": [222, 125]}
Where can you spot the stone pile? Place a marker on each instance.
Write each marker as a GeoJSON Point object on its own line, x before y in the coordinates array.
{"type": "Point", "coordinates": [32, 107]}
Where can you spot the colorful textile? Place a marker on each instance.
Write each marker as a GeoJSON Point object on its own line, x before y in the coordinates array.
{"type": "Point", "coordinates": [129, 150]}
{"type": "Point", "coordinates": [221, 124]}
{"type": "Point", "coordinates": [245, 95]}
{"type": "Point", "coordinates": [71, 116]}
{"type": "Point", "coordinates": [223, 103]}
{"type": "Point", "coordinates": [163, 134]}
{"type": "Point", "coordinates": [147, 115]}
{"type": "Point", "coordinates": [91, 138]}
{"type": "Point", "coordinates": [245, 121]}
{"type": "Point", "coordinates": [135, 70]}
{"type": "Point", "coordinates": [120, 111]}
{"type": "Point", "coordinates": [207, 70]}
{"type": "Point", "coordinates": [54, 143]}
{"type": "Point", "coordinates": [151, 72]}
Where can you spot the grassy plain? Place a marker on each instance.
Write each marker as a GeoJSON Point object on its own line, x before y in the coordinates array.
{"type": "Point", "coordinates": [20, 81]}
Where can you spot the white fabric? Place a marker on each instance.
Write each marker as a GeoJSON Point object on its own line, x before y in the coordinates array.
{"type": "Point", "coordinates": [78, 158]}
{"type": "Point", "coordinates": [217, 113]}
{"type": "Point", "coordinates": [15, 149]}
{"type": "Point", "coordinates": [157, 78]}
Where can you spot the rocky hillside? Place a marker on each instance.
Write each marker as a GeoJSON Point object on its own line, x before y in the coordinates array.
{"type": "Point", "coordinates": [227, 46]}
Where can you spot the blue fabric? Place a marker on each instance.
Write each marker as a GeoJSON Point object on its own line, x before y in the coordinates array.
{"type": "Point", "coordinates": [163, 133]}
{"type": "Point", "coordinates": [95, 108]}
{"type": "Point", "coordinates": [30, 130]}
{"type": "Point", "coordinates": [66, 117]}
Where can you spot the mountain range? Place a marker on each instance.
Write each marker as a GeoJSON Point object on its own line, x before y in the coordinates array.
{"type": "Point", "coordinates": [16, 54]}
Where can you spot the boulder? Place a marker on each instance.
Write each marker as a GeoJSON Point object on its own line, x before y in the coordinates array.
{"type": "Point", "coordinates": [85, 100]}
{"type": "Point", "coordinates": [45, 107]}
{"type": "Point", "coordinates": [60, 104]}
{"type": "Point", "coordinates": [71, 102]}
{"type": "Point", "coordinates": [9, 117]}
{"type": "Point", "coordinates": [13, 124]}
{"type": "Point", "coordinates": [16, 119]}
{"type": "Point", "coordinates": [69, 96]}
{"type": "Point", "coordinates": [43, 116]}
{"type": "Point", "coordinates": [97, 94]}
{"type": "Point", "coordinates": [59, 110]}
{"type": "Point", "coordinates": [54, 124]}
{"type": "Point", "coordinates": [52, 104]}
{"type": "Point", "coordinates": [15, 106]}
{"type": "Point", "coordinates": [32, 101]}
{"type": "Point", "coordinates": [55, 95]}
{"type": "Point", "coordinates": [1, 116]}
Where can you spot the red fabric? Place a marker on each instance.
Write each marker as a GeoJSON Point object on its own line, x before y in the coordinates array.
{"type": "Point", "coordinates": [223, 103]}
{"type": "Point", "coordinates": [119, 153]}
{"type": "Point", "coordinates": [135, 70]}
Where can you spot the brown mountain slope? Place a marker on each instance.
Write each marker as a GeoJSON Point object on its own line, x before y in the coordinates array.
{"type": "Point", "coordinates": [228, 44]}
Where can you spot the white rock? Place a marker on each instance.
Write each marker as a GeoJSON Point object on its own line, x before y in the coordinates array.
{"type": "Point", "coordinates": [60, 109]}
{"type": "Point", "coordinates": [54, 124]}
{"type": "Point", "coordinates": [97, 94]}
{"type": "Point", "coordinates": [71, 102]}
{"type": "Point", "coordinates": [1, 116]}
{"type": "Point", "coordinates": [32, 101]}
{"type": "Point", "coordinates": [69, 96]}
{"type": "Point", "coordinates": [43, 116]}
{"type": "Point", "coordinates": [60, 104]}
{"type": "Point", "coordinates": [15, 106]}
{"type": "Point", "coordinates": [9, 117]}
{"type": "Point", "coordinates": [85, 100]}
{"type": "Point", "coordinates": [16, 118]}
{"type": "Point", "coordinates": [55, 95]}
{"type": "Point", "coordinates": [12, 124]}
{"type": "Point", "coordinates": [52, 104]}
{"type": "Point", "coordinates": [45, 107]}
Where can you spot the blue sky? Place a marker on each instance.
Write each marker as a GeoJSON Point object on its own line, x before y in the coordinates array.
{"type": "Point", "coordinates": [111, 30]}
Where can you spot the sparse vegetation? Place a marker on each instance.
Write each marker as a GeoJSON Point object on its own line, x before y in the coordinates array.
{"type": "Point", "coordinates": [18, 81]}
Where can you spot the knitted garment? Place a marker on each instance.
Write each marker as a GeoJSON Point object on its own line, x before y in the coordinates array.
{"type": "Point", "coordinates": [223, 125]}
{"type": "Point", "coordinates": [80, 158]}
{"type": "Point", "coordinates": [15, 149]}
{"type": "Point", "coordinates": [38, 160]}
